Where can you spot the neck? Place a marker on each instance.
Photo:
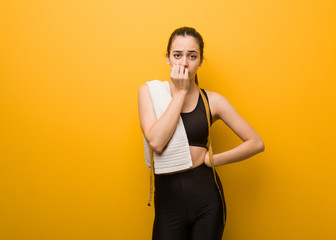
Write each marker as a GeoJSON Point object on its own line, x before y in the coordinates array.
{"type": "Point", "coordinates": [192, 87]}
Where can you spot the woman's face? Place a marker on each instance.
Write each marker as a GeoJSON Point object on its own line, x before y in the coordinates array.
{"type": "Point", "coordinates": [185, 51]}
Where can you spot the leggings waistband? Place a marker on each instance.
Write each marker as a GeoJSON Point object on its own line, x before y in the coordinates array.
{"type": "Point", "coordinates": [199, 168]}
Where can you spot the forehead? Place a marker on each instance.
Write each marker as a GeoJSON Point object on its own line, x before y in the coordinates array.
{"type": "Point", "coordinates": [184, 43]}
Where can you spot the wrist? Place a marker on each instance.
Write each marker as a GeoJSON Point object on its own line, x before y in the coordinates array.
{"type": "Point", "coordinates": [179, 95]}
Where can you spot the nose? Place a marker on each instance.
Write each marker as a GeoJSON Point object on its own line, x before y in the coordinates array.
{"type": "Point", "coordinates": [184, 62]}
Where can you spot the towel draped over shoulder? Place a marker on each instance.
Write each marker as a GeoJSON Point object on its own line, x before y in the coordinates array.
{"type": "Point", "coordinates": [176, 154]}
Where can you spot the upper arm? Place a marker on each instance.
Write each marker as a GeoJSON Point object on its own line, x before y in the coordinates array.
{"type": "Point", "coordinates": [146, 110]}
{"type": "Point", "coordinates": [223, 109]}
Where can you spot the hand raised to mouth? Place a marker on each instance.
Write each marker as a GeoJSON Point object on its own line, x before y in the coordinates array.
{"type": "Point", "coordinates": [179, 76]}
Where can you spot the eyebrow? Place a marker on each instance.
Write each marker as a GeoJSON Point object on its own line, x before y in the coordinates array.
{"type": "Point", "coordinates": [178, 51]}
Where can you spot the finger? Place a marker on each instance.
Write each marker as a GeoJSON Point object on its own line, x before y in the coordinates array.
{"type": "Point", "coordinates": [173, 71]}
{"type": "Point", "coordinates": [186, 73]}
{"type": "Point", "coordinates": [181, 71]}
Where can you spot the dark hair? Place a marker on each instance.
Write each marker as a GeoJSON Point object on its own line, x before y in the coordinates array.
{"type": "Point", "coordinates": [187, 31]}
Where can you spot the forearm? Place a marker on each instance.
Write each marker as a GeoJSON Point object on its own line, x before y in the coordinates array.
{"type": "Point", "coordinates": [241, 152]}
{"type": "Point", "coordinates": [163, 129]}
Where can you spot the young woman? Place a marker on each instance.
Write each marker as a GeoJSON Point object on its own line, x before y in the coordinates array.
{"type": "Point", "coordinates": [189, 204]}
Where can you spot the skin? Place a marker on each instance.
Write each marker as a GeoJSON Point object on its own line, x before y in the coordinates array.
{"type": "Point", "coordinates": [185, 59]}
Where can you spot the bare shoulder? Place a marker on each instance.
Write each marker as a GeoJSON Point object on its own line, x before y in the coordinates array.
{"type": "Point", "coordinates": [218, 104]}
{"type": "Point", "coordinates": [144, 98]}
{"type": "Point", "coordinates": [214, 96]}
{"type": "Point", "coordinates": [144, 95]}
{"type": "Point", "coordinates": [143, 89]}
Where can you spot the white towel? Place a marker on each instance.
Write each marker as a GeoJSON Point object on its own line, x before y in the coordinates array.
{"type": "Point", "coordinates": [176, 155]}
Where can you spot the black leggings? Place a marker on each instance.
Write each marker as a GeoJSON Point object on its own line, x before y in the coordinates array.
{"type": "Point", "coordinates": [188, 206]}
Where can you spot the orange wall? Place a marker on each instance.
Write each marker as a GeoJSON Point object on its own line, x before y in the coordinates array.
{"type": "Point", "coordinates": [71, 149]}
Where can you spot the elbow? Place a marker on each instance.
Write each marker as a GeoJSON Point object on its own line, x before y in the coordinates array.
{"type": "Point", "coordinates": [260, 146]}
{"type": "Point", "coordinates": [257, 146]}
{"type": "Point", "coordinates": [155, 144]}
{"type": "Point", "coordinates": [156, 147]}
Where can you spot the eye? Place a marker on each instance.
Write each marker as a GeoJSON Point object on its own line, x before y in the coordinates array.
{"type": "Point", "coordinates": [193, 57]}
{"type": "Point", "coordinates": [176, 55]}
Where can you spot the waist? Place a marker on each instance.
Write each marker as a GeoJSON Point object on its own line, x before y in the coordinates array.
{"type": "Point", "coordinates": [197, 156]}
{"type": "Point", "coordinates": [192, 170]}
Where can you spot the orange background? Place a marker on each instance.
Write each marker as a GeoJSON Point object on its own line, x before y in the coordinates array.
{"type": "Point", "coordinates": [71, 149]}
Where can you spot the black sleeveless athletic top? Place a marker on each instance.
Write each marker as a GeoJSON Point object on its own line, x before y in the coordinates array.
{"type": "Point", "coordinates": [196, 124]}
